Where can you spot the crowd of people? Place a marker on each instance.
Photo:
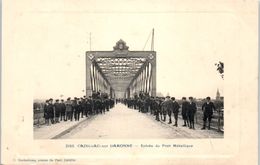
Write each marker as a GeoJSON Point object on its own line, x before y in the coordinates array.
{"type": "Point", "coordinates": [161, 107]}
{"type": "Point", "coordinates": [73, 109]}
{"type": "Point", "coordinates": [99, 103]}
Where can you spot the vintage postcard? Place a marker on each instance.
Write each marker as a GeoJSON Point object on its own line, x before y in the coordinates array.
{"type": "Point", "coordinates": [123, 82]}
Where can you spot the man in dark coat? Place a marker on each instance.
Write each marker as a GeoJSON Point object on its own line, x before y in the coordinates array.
{"type": "Point", "coordinates": [207, 109]}
{"type": "Point", "coordinates": [142, 105]}
{"type": "Point", "coordinates": [184, 112]}
{"type": "Point", "coordinates": [88, 107]}
{"type": "Point", "coordinates": [82, 107]}
{"type": "Point", "coordinates": [57, 110]}
{"type": "Point", "coordinates": [175, 110]}
{"type": "Point", "coordinates": [103, 105]}
{"type": "Point", "coordinates": [63, 110]}
{"type": "Point", "coordinates": [192, 108]}
{"type": "Point", "coordinates": [45, 112]}
{"type": "Point", "coordinates": [50, 109]}
{"type": "Point", "coordinates": [111, 103]}
{"type": "Point", "coordinates": [90, 100]}
{"type": "Point", "coordinates": [139, 105]}
{"type": "Point", "coordinates": [162, 112]}
{"type": "Point", "coordinates": [157, 108]}
{"type": "Point", "coordinates": [69, 112]}
{"type": "Point", "coordinates": [152, 106]}
{"type": "Point", "coordinates": [77, 109]}
{"type": "Point", "coordinates": [146, 103]}
{"type": "Point", "coordinates": [74, 108]}
{"type": "Point", "coordinates": [135, 100]}
{"type": "Point", "coordinates": [167, 106]}
{"type": "Point", "coordinates": [98, 105]}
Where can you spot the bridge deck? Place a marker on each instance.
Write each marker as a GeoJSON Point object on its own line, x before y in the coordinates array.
{"type": "Point", "coordinates": [122, 122]}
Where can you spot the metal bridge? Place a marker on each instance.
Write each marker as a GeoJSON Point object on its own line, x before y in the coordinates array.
{"type": "Point", "coordinates": [121, 73]}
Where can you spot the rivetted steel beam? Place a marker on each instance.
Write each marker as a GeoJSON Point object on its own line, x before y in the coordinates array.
{"type": "Point", "coordinates": [121, 64]}
{"type": "Point", "coordinates": [119, 54]}
{"type": "Point", "coordinates": [102, 74]}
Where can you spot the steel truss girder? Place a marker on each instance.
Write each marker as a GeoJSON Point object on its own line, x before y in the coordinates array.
{"type": "Point", "coordinates": [122, 69]}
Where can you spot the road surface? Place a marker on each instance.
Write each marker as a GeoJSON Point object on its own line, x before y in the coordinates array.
{"type": "Point", "coordinates": [122, 122]}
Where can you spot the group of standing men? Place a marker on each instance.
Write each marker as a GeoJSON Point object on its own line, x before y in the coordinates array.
{"type": "Point", "coordinates": [188, 111]}
{"type": "Point", "coordinates": [169, 106]}
{"type": "Point", "coordinates": [161, 107]}
{"type": "Point", "coordinates": [98, 103]}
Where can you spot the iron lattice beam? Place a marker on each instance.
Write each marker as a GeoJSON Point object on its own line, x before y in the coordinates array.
{"type": "Point", "coordinates": [121, 68]}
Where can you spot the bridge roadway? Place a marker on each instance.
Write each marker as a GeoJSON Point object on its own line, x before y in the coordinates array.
{"type": "Point", "coordinates": [122, 122]}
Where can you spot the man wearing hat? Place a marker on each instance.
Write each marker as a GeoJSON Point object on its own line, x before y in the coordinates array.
{"type": "Point", "coordinates": [68, 105]}
{"type": "Point", "coordinates": [192, 108]}
{"type": "Point", "coordinates": [175, 110]}
{"type": "Point", "coordinates": [140, 105]}
{"type": "Point", "coordinates": [98, 104]}
{"type": "Point", "coordinates": [207, 109]}
{"type": "Point", "coordinates": [82, 106]}
{"type": "Point", "coordinates": [63, 110]}
{"type": "Point", "coordinates": [112, 103]}
{"type": "Point", "coordinates": [45, 112]}
{"type": "Point", "coordinates": [88, 107]}
{"type": "Point", "coordinates": [152, 105]}
{"type": "Point", "coordinates": [135, 100]}
{"type": "Point", "coordinates": [184, 111]}
{"type": "Point", "coordinates": [76, 108]}
{"type": "Point", "coordinates": [57, 110]}
{"type": "Point", "coordinates": [167, 107]}
{"type": "Point", "coordinates": [146, 102]}
{"type": "Point", "coordinates": [162, 111]}
{"type": "Point", "coordinates": [50, 110]}
{"type": "Point", "coordinates": [107, 102]}
{"type": "Point", "coordinates": [156, 108]}
{"type": "Point", "coordinates": [91, 105]}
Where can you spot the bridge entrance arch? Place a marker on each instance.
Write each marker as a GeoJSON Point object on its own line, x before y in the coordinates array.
{"type": "Point", "coordinates": [121, 73]}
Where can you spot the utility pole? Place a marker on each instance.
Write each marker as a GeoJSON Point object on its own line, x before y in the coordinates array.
{"type": "Point", "coordinates": [152, 43]}
{"type": "Point", "coordinates": [90, 41]}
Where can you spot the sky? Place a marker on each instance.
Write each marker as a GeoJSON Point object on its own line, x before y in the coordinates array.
{"type": "Point", "coordinates": [188, 44]}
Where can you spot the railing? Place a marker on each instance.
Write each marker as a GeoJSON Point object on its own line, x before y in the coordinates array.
{"type": "Point", "coordinates": [221, 119]}
{"type": "Point", "coordinates": [38, 118]}
{"type": "Point", "coordinates": [217, 121]}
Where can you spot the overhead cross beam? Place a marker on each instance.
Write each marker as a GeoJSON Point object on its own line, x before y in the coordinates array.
{"type": "Point", "coordinates": [121, 70]}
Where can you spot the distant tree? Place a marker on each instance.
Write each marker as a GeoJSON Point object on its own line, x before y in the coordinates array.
{"type": "Point", "coordinates": [219, 104]}
{"type": "Point", "coordinates": [220, 68]}
{"type": "Point", "coordinates": [35, 105]}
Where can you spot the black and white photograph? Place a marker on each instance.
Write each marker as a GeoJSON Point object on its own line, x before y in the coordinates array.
{"type": "Point", "coordinates": [129, 82]}
{"type": "Point", "coordinates": [135, 82]}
